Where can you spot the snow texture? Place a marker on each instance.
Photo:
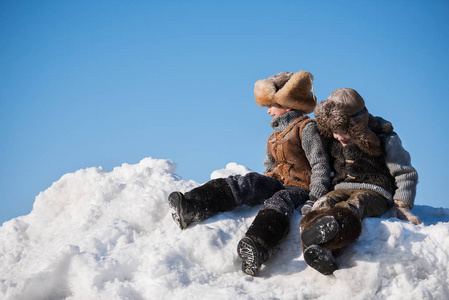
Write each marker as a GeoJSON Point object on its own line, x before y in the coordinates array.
{"type": "Point", "coordinates": [110, 235]}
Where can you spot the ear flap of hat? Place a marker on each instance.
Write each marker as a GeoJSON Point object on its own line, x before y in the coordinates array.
{"type": "Point", "coordinates": [331, 115]}
{"type": "Point", "coordinates": [264, 91]}
{"type": "Point", "coordinates": [366, 139]}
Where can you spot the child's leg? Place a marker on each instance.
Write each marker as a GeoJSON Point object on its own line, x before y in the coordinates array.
{"type": "Point", "coordinates": [331, 228]}
{"type": "Point", "coordinates": [201, 203]}
{"type": "Point", "coordinates": [331, 225]}
{"type": "Point", "coordinates": [253, 188]}
{"type": "Point", "coordinates": [320, 225]}
{"type": "Point", "coordinates": [269, 228]}
{"type": "Point", "coordinates": [331, 199]}
{"type": "Point", "coordinates": [366, 203]}
{"type": "Point", "coordinates": [220, 195]}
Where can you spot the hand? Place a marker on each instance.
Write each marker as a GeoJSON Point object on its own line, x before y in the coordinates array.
{"type": "Point", "coordinates": [307, 207]}
{"type": "Point", "coordinates": [401, 210]}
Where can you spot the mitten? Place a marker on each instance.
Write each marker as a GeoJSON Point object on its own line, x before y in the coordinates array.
{"type": "Point", "coordinates": [308, 205]}
{"type": "Point", "coordinates": [401, 210]}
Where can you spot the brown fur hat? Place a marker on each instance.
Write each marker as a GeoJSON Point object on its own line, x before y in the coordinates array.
{"type": "Point", "coordinates": [292, 90]}
{"type": "Point", "coordinates": [345, 109]}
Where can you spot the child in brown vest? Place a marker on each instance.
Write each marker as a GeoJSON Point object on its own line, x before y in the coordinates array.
{"type": "Point", "coordinates": [296, 170]}
{"type": "Point", "coordinates": [372, 173]}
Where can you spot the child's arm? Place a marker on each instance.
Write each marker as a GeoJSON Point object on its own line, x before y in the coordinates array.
{"type": "Point", "coordinates": [268, 163]}
{"type": "Point", "coordinates": [406, 178]}
{"type": "Point", "coordinates": [315, 149]}
{"type": "Point", "coordinates": [399, 163]}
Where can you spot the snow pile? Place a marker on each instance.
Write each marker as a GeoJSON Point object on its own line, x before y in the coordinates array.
{"type": "Point", "coordinates": [109, 235]}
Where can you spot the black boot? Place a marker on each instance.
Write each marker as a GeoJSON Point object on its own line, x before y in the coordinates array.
{"type": "Point", "coordinates": [252, 254]}
{"type": "Point", "coordinates": [262, 239]}
{"type": "Point", "coordinates": [332, 228]}
{"type": "Point", "coordinates": [320, 259]}
{"type": "Point", "coordinates": [182, 215]}
{"type": "Point", "coordinates": [323, 230]}
{"type": "Point", "coordinates": [201, 203]}
{"type": "Point", "coordinates": [326, 231]}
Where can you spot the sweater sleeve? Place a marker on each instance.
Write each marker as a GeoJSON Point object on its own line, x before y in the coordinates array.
{"type": "Point", "coordinates": [315, 149]}
{"type": "Point", "coordinates": [399, 163]}
{"type": "Point", "coordinates": [268, 163]}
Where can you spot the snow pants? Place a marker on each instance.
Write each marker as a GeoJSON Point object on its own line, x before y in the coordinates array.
{"type": "Point", "coordinates": [254, 189]}
{"type": "Point", "coordinates": [365, 203]}
{"type": "Point", "coordinates": [348, 208]}
{"type": "Point", "coordinates": [272, 222]}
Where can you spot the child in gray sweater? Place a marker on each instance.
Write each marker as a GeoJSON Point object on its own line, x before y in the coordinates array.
{"type": "Point", "coordinates": [296, 170]}
{"type": "Point", "coordinates": [372, 173]}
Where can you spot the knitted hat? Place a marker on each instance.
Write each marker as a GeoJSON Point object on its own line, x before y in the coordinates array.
{"type": "Point", "coordinates": [292, 90]}
{"type": "Point", "coordinates": [345, 109]}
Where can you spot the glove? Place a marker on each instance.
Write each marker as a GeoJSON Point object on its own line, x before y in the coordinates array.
{"type": "Point", "coordinates": [307, 207]}
{"type": "Point", "coordinates": [401, 210]}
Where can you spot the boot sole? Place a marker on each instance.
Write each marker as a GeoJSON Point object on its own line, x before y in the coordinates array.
{"type": "Point", "coordinates": [320, 232]}
{"type": "Point", "coordinates": [178, 203]}
{"type": "Point", "coordinates": [320, 259]}
{"type": "Point", "coordinates": [247, 251]}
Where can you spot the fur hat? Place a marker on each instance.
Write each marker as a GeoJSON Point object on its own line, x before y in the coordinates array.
{"type": "Point", "coordinates": [345, 109]}
{"type": "Point", "coordinates": [292, 90]}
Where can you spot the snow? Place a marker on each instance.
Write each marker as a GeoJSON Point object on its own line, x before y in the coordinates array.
{"type": "Point", "coordinates": [96, 234]}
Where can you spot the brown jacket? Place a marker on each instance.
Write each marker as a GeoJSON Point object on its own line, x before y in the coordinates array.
{"type": "Point", "coordinates": [351, 164]}
{"type": "Point", "coordinates": [291, 166]}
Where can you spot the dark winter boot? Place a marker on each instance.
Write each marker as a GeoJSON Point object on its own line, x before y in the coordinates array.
{"type": "Point", "coordinates": [323, 230]}
{"type": "Point", "coordinates": [262, 239]}
{"type": "Point", "coordinates": [252, 254]}
{"type": "Point", "coordinates": [320, 259]}
{"type": "Point", "coordinates": [201, 203]}
{"type": "Point", "coordinates": [319, 227]}
{"type": "Point", "coordinates": [326, 231]}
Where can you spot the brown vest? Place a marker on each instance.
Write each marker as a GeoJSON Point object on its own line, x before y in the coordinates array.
{"type": "Point", "coordinates": [291, 166]}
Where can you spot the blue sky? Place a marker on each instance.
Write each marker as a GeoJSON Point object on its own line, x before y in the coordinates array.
{"type": "Point", "coordinates": [102, 83]}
